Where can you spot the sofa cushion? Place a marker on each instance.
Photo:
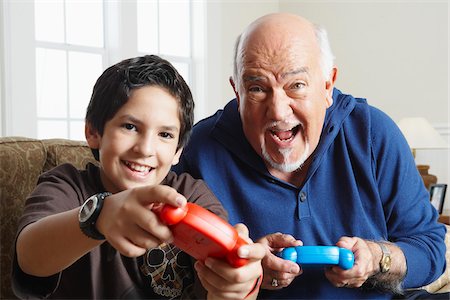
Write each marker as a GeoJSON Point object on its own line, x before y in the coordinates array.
{"type": "Point", "coordinates": [61, 151]}
{"type": "Point", "coordinates": [21, 161]}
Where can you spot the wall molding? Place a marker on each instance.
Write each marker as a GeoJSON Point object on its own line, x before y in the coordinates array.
{"type": "Point", "coordinates": [442, 128]}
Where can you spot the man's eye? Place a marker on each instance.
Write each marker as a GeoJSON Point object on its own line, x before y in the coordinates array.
{"type": "Point", "coordinates": [129, 126]}
{"type": "Point", "coordinates": [298, 85]}
{"type": "Point", "coordinates": [255, 89]}
{"type": "Point", "coordinates": [166, 135]}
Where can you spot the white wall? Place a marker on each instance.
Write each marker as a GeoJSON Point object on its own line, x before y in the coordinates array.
{"type": "Point", "coordinates": [394, 53]}
{"type": "Point", "coordinates": [225, 21]}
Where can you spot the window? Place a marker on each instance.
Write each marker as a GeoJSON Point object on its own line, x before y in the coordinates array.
{"type": "Point", "coordinates": [56, 49]}
{"type": "Point", "coordinates": [69, 57]}
{"type": "Point", "coordinates": [157, 32]}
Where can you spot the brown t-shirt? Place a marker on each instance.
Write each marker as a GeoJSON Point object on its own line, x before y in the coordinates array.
{"type": "Point", "coordinates": [163, 272]}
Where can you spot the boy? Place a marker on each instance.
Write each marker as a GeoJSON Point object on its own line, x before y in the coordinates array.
{"type": "Point", "coordinates": [137, 122]}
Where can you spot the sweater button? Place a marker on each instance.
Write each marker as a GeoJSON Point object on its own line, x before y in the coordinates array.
{"type": "Point", "coordinates": [271, 180]}
{"type": "Point", "coordinates": [303, 196]}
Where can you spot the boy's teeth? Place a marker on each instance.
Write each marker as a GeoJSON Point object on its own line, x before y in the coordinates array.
{"type": "Point", "coordinates": [138, 168]}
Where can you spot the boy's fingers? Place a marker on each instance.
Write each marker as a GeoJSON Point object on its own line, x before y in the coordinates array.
{"type": "Point", "coordinates": [243, 232]}
{"type": "Point", "coordinates": [160, 194]}
{"type": "Point", "coordinates": [254, 251]}
{"type": "Point", "coordinates": [241, 229]}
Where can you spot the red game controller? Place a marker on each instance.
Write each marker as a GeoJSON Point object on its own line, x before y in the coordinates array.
{"type": "Point", "coordinates": [202, 234]}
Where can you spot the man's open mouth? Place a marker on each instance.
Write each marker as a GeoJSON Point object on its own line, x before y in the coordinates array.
{"type": "Point", "coordinates": [285, 135]}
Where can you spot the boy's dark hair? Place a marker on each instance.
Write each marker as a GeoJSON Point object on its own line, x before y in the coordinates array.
{"type": "Point", "coordinates": [114, 87]}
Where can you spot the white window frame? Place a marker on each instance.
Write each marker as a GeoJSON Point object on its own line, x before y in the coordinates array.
{"type": "Point", "coordinates": [18, 82]}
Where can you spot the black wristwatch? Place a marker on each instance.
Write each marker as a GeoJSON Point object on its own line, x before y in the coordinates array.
{"type": "Point", "coordinates": [88, 215]}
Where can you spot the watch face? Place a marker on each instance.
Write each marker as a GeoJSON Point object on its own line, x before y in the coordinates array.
{"type": "Point", "coordinates": [385, 264]}
{"type": "Point", "coordinates": [88, 209]}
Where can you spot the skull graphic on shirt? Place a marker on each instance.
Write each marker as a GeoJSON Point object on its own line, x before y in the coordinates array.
{"type": "Point", "coordinates": [170, 270]}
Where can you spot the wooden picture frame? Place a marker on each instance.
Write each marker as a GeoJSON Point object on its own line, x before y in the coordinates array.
{"type": "Point", "coordinates": [437, 196]}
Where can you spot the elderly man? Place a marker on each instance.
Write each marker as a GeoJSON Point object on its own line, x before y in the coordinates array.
{"type": "Point", "coordinates": [293, 155]}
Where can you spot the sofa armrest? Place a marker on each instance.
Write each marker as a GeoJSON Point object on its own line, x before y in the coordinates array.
{"type": "Point", "coordinates": [22, 160]}
{"type": "Point", "coordinates": [442, 284]}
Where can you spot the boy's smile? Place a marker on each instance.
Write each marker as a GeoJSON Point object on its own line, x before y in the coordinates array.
{"type": "Point", "coordinates": [139, 144]}
{"type": "Point", "coordinates": [138, 168]}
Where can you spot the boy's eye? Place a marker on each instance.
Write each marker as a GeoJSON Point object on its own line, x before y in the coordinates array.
{"type": "Point", "coordinates": [166, 135]}
{"type": "Point", "coordinates": [129, 126]}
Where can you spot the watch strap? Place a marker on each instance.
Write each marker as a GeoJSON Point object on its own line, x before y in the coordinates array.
{"type": "Point", "coordinates": [89, 227]}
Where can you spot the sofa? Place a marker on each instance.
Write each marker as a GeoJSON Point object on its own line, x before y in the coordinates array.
{"type": "Point", "coordinates": [23, 159]}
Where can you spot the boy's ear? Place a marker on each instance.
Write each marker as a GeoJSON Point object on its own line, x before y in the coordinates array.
{"type": "Point", "coordinates": [176, 157]}
{"type": "Point", "coordinates": [92, 136]}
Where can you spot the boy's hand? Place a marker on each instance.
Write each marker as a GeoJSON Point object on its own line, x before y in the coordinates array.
{"type": "Point", "coordinates": [223, 281]}
{"type": "Point", "coordinates": [278, 272]}
{"type": "Point", "coordinates": [129, 223]}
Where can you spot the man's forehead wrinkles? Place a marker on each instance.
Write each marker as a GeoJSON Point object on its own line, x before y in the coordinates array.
{"type": "Point", "coordinates": [283, 75]}
{"type": "Point", "coordinates": [295, 72]}
{"type": "Point", "coordinates": [253, 78]}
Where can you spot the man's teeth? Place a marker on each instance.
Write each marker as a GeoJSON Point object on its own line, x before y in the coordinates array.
{"type": "Point", "coordinates": [285, 135]}
{"type": "Point", "coordinates": [137, 167]}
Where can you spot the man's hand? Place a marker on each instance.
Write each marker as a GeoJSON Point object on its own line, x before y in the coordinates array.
{"type": "Point", "coordinates": [223, 281]}
{"type": "Point", "coordinates": [363, 268]}
{"type": "Point", "coordinates": [367, 257]}
{"type": "Point", "coordinates": [278, 272]}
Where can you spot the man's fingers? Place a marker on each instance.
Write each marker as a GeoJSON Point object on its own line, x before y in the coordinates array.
{"type": "Point", "coordinates": [279, 264]}
{"type": "Point", "coordinates": [279, 240]}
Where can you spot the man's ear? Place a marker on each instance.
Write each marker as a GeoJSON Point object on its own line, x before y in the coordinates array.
{"type": "Point", "coordinates": [176, 157]}
{"type": "Point", "coordinates": [92, 136]}
{"type": "Point", "coordinates": [233, 85]}
{"type": "Point", "coordinates": [329, 85]}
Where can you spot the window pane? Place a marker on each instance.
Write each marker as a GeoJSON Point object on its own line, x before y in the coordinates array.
{"type": "Point", "coordinates": [49, 20]}
{"type": "Point", "coordinates": [77, 131]}
{"type": "Point", "coordinates": [84, 69]}
{"type": "Point", "coordinates": [174, 28]}
{"type": "Point", "coordinates": [52, 129]}
{"type": "Point", "coordinates": [147, 26]}
{"type": "Point", "coordinates": [84, 22]}
{"type": "Point", "coordinates": [183, 69]}
{"type": "Point", "coordinates": [51, 83]}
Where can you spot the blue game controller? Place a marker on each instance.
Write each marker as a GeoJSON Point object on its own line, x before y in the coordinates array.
{"type": "Point", "coordinates": [319, 256]}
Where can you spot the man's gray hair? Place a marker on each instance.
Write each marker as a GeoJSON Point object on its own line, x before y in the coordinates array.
{"type": "Point", "coordinates": [326, 59]}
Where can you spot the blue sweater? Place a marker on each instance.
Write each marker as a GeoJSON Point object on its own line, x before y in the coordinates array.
{"type": "Point", "coordinates": [362, 182]}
